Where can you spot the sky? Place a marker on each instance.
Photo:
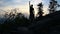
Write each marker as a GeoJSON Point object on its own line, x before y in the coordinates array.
{"type": "Point", "coordinates": [23, 5]}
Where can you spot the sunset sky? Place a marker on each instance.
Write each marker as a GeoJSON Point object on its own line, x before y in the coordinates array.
{"type": "Point", "coordinates": [23, 5]}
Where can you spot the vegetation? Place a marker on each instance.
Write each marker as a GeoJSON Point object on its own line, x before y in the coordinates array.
{"type": "Point", "coordinates": [17, 23]}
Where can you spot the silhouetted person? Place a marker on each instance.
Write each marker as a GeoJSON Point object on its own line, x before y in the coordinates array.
{"type": "Point", "coordinates": [40, 10]}
{"type": "Point", "coordinates": [53, 5]}
{"type": "Point", "coordinates": [31, 13]}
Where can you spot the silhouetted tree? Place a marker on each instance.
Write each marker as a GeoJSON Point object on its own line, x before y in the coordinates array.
{"type": "Point", "coordinates": [15, 18]}
{"type": "Point", "coordinates": [40, 9]}
{"type": "Point", "coordinates": [53, 6]}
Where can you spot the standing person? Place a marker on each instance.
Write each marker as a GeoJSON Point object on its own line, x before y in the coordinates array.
{"type": "Point", "coordinates": [40, 10]}
{"type": "Point", "coordinates": [31, 13]}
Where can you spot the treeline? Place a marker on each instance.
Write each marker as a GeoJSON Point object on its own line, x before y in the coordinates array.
{"type": "Point", "coordinates": [14, 17]}
{"type": "Point", "coordinates": [13, 20]}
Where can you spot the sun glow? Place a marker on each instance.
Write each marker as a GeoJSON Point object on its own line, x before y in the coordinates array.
{"type": "Point", "coordinates": [24, 7]}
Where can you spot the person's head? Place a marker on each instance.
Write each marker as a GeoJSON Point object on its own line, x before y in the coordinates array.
{"type": "Point", "coordinates": [31, 5]}
{"type": "Point", "coordinates": [40, 4]}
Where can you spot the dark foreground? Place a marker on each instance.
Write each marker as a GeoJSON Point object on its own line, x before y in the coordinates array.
{"type": "Point", "coordinates": [50, 24]}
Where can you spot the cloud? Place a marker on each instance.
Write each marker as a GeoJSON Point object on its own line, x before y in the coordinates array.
{"type": "Point", "coordinates": [21, 4]}
{"type": "Point", "coordinates": [1, 2]}
{"type": "Point", "coordinates": [23, 8]}
{"type": "Point", "coordinates": [4, 3]}
{"type": "Point", "coordinates": [36, 1]}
